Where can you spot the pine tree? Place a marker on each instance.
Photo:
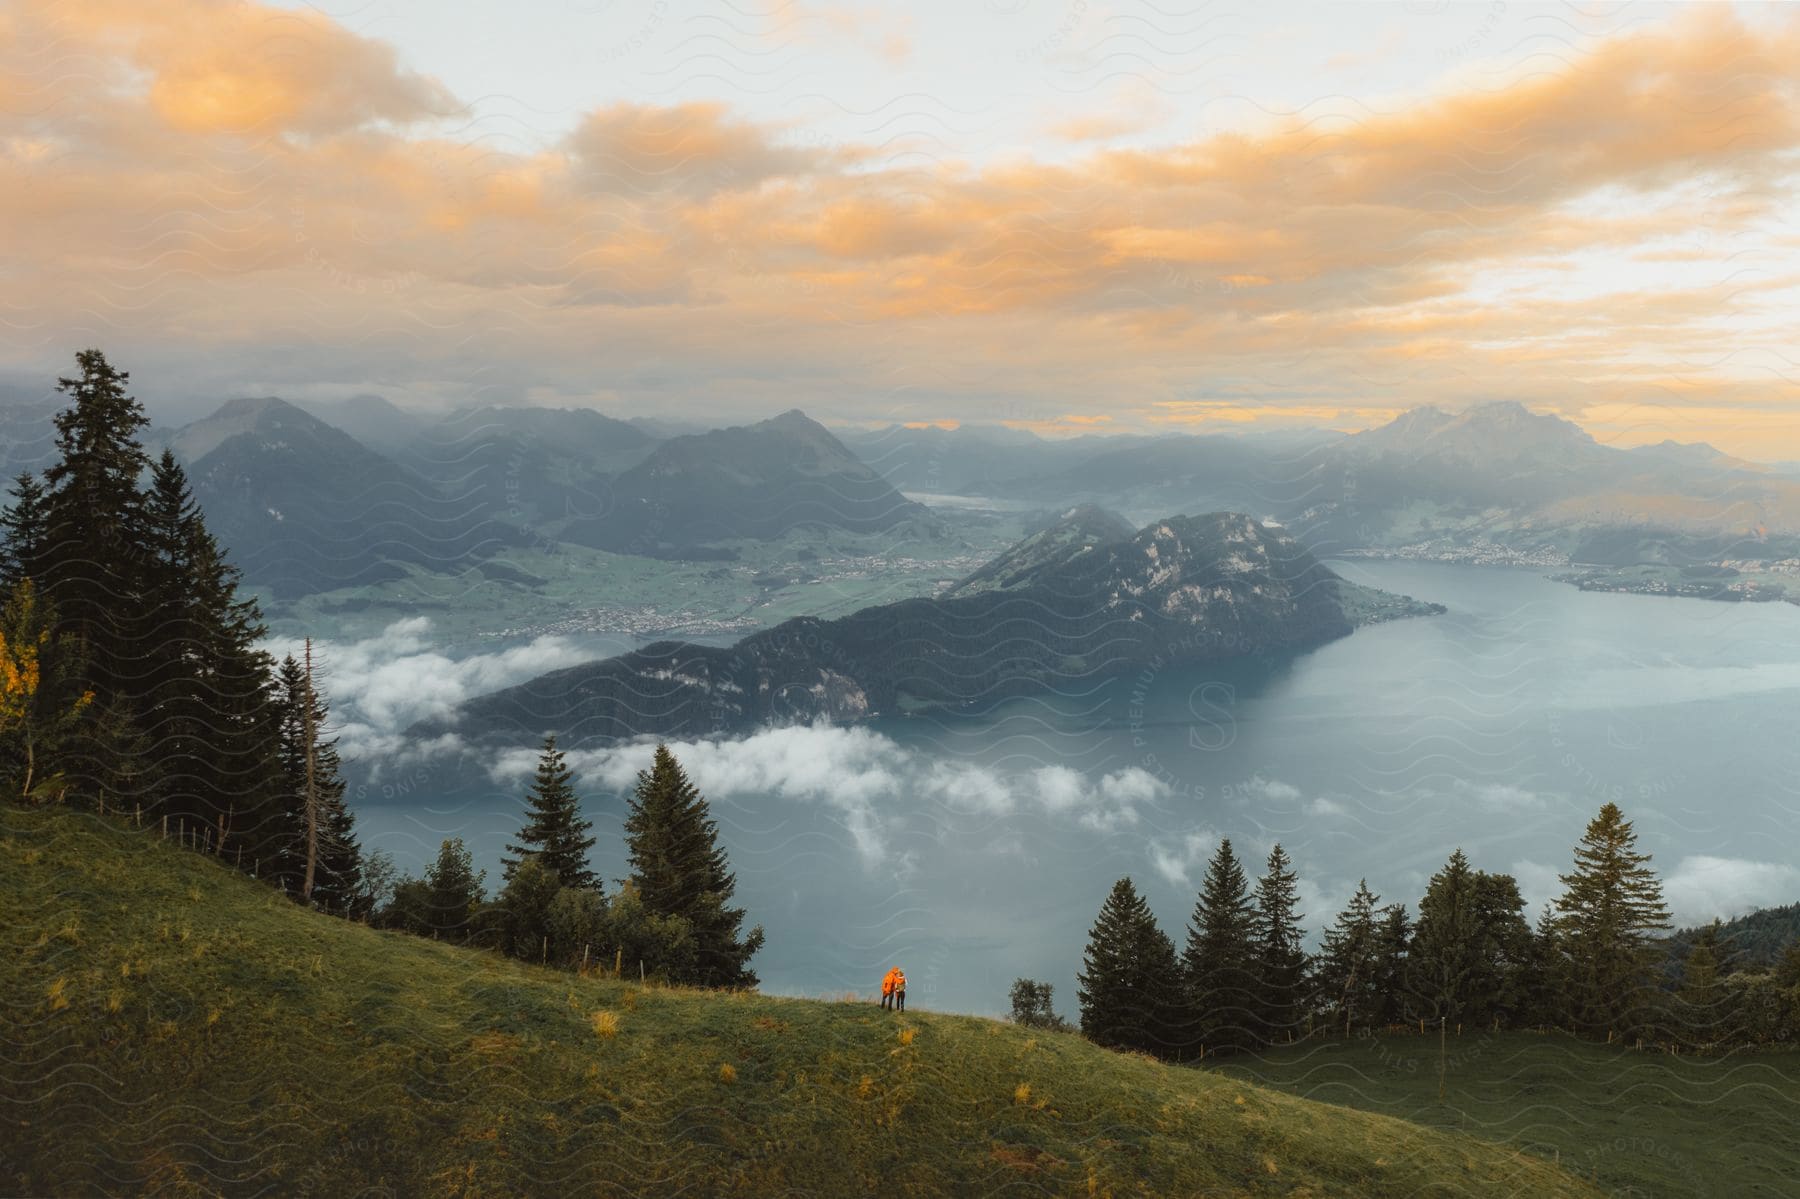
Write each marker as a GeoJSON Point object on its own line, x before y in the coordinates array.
{"type": "Point", "coordinates": [1544, 1002]}
{"type": "Point", "coordinates": [679, 869]}
{"type": "Point", "coordinates": [1702, 996]}
{"type": "Point", "coordinates": [1393, 946]}
{"type": "Point", "coordinates": [1348, 970]}
{"type": "Point", "coordinates": [1280, 958]}
{"type": "Point", "coordinates": [1218, 964]}
{"type": "Point", "coordinates": [22, 526]}
{"type": "Point", "coordinates": [337, 874]}
{"type": "Point", "coordinates": [281, 835]}
{"type": "Point", "coordinates": [1504, 953]}
{"type": "Point", "coordinates": [452, 892]}
{"type": "Point", "coordinates": [1129, 985]}
{"type": "Point", "coordinates": [1443, 962]}
{"type": "Point", "coordinates": [93, 558]}
{"type": "Point", "coordinates": [1607, 921]}
{"type": "Point", "coordinates": [554, 833]}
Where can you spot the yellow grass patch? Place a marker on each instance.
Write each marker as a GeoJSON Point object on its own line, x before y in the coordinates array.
{"type": "Point", "coordinates": [1022, 1093]}
{"type": "Point", "coordinates": [606, 1025]}
{"type": "Point", "coordinates": [727, 1073]}
{"type": "Point", "coordinates": [1028, 1159]}
{"type": "Point", "coordinates": [493, 1043]}
{"type": "Point", "coordinates": [56, 994]}
{"type": "Point", "coordinates": [907, 1035]}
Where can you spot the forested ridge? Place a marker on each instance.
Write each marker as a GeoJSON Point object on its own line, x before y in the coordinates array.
{"type": "Point", "coordinates": [1598, 962]}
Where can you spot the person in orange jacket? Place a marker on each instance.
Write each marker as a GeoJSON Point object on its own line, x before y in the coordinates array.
{"type": "Point", "coordinates": [887, 986]}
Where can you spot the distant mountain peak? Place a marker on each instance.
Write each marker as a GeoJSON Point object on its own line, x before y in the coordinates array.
{"type": "Point", "coordinates": [253, 414]}
{"type": "Point", "coordinates": [1495, 429]}
{"type": "Point", "coordinates": [1065, 538]}
{"type": "Point", "coordinates": [257, 406]}
{"type": "Point", "coordinates": [747, 481]}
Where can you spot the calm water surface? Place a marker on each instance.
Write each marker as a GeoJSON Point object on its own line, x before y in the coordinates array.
{"type": "Point", "coordinates": [1500, 727]}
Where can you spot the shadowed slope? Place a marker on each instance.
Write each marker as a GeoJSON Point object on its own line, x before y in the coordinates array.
{"type": "Point", "coordinates": [172, 1026]}
{"type": "Point", "coordinates": [1192, 588]}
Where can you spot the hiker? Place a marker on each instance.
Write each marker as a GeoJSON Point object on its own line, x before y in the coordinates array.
{"type": "Point", "coordinates": [899, 989]}
{"type": "Point", "coordinates": [887, 986]}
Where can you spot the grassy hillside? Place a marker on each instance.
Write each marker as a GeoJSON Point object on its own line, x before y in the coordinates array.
{"type": "Point", "coordinates": [171, 1026]}
{"type": "Point", "coordinates": [1639, 1124]}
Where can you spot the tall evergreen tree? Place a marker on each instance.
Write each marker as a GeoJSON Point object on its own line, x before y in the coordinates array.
{"type": "Point", "coordinates": [1504, 953]}
{"type": "Point", "coordinates": [1704, 1015]}
{"type": "Point", "coordinates": [679, 869]}
{"type": "Point", "coordinates": [1608, 919]}
{"type": "Point", "coordinates": [22, 531]}
{"type": "Point", "coordinates": [1280, 956]}
{"type": "Point", "coordinates": [554, 831]}
{"type": "Point", "coordinates": [93, 561]}
{"type": "Point", "coordinates": [1348, 972]}
{"type": "Point", "coordinates": [1393, 946]}
{"type": "Point", "coordinates": [337, 872]}
{"type": "Point", "coordinates": [452, 892]}
{"type": "Point", "coordinates": [1218, 964]}
{"type": "Point", "coordinates": [1443, 964]}
{"type": "Point", "coordinates": [1129, 985]}
{"type": "Point", "coordinates": [1544, 1002]}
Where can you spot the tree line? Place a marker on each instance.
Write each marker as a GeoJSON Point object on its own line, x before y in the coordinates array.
{"type": "Point", "coordinates": [133, 680]}
{"type": "Point", "coordinates": [132, 673]}
{"type": "Point", "coordinates": [671, 918]}
{"type": "Point", "coordinates": [1594, 964]}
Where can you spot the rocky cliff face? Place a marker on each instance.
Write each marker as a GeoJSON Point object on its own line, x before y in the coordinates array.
{"type": "Point", "coordinates": [1183, 589]}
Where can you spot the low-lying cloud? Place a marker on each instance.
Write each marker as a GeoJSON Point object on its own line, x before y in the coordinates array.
{"type": "Point", "coordinates": [380, 686]}
{"type": "Point", "coordinates": [869, 780]}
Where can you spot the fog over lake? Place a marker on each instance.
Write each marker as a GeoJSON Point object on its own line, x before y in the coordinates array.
{"type": "Point", "coordinates": [977, 848]}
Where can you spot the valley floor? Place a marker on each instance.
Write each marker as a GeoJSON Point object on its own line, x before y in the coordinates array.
{"type": "Point", "coordinates": [1637, 1124]}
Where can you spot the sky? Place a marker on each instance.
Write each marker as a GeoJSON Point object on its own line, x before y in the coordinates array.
{"type": "Point", "coordinates": [1068, 217]}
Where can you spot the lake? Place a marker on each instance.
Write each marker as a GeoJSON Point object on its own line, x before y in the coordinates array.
{"type": "Point", "coordinates": [977, 848]}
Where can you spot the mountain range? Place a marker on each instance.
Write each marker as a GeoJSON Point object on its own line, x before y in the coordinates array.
{"type": "Point", "coordinates": [346, 493]}
{"type": "Point", "coordinates": [753, 482]}
{"type": "Point", "coordinates": [306, 507]}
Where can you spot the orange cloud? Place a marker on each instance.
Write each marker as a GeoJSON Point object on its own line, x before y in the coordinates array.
{"type": "Point", "coordinates": [220, 67]}
{"type": "Point", "coordinates": [234, 177]}
{"type": "Point", "coordinates": [694, 148]}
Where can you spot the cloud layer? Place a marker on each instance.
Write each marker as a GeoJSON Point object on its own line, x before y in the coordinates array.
{"type": "Point", "coordinates": [872, 782]}
{"type": "Point", "coordinates": [251, 197]}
